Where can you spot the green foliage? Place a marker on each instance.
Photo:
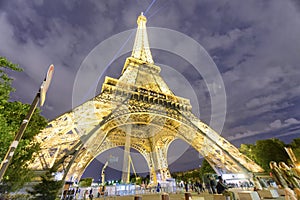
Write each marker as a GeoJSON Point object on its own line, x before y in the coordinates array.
{"type": "Point", "coordinates": [5, 80]}
{"type": "Point", "coordinates": [265, 151]}
{"type": "Point", "coordinates": [85, 182]}
{"type": "Point", "coordinates": [144, 179]}
{"type": "Point", "coordinates": [11, 116]}
{"type": "Point", "coordinates": [195, 174]}
{"type": "Point", "coordinates": [135, 179]}
{"type": "Point", "coordinates": [269, 150]}
{"type": "Point", "coordinates": [16, 196]}
{"type": "Point", "coordinates": [47, 189]}
{"type": "Point", "coordinates": [248, 149]}
{"type": "Point", "coordinates": [295, 145]}
{"type": "Point", "coordinates": [206, 168]}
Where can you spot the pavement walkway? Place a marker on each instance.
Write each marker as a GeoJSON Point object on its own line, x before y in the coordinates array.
{"type": "Point", "coordinates": [202, 196]}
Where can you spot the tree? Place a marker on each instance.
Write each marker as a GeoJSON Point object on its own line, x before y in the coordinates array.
{"type": "Point", "coordinates": [265, 151]}
{"type": "Point", "coordinates": [135, 179]}
{"type": "Point", "coordinates": [11, 116]}
{"type": "Point", "coordinates": [47, 189]}
{"type": "Point", "coordinates": [295, 145]}
{"type": "Point", "coordinates": [85, 182]}
{"type": "Point", "coordinates": [269, 150]}
{"type": "Point", "coordinates": [5, 80]}
{"type": "Point", "coordinates": [248, 150]}
{"type": "Point", "coordinates": [206, 168]}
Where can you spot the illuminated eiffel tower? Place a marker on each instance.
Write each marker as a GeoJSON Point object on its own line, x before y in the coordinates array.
{"type": "Point", "coordinates": [138, 111]}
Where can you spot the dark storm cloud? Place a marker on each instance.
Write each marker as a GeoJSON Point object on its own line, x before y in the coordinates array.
{"type": "Point", "coordinates": [62, 33]}
{"type": "Point", "coordinates": [262, 67]}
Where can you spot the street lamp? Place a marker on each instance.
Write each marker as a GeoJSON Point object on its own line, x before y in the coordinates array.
{"type": "Point", "coordinates": [40, 96]}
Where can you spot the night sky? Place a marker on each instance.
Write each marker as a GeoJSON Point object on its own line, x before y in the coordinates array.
{"type": "Point", "coordinates": [254, 44]}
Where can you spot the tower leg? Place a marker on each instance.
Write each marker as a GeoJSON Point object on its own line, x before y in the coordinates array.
{"type": "Point", "coordinates": [149, 158]}
{"type": "Point", "coordinates": [161, 163]}
{"type": "Point", "coordinates": [126, 163]}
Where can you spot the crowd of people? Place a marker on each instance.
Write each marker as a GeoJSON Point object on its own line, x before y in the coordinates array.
{"type": "Point", "coordinates": [211, 186]}
{"type": "Point", "coordinates": [211, 183]}
{"type": "Point", "coordinates": [281, 174]}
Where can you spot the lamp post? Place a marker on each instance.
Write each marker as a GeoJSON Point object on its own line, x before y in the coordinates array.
{"type": "Point", "coordinates": [39, 97]}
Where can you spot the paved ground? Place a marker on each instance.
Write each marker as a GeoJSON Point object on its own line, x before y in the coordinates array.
{"type": "Point", "coordinates": [158, 197]}
{"type": "Point", "coordinates": [203, 196]}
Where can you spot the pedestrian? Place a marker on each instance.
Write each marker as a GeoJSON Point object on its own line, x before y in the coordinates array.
{"type": "Point", "coordinates": [201, 187]}
{"type": "Point", "coordinates": [85, 194]}
{"type": "Point", "coordinates": [186, 185]}
{"type": "Point", "coordinates": [197, 188]}
{"type": "Point", "coordinates": [158, 187]}
{"type": "Point", "coordinates": [91, 194]}
{"type": "Point", "coordinates": [212, 185]}
{"type": "Point", "coordinates": [223, 189]}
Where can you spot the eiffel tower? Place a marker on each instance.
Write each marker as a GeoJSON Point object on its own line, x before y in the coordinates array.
{"type": "Point", "coordinates": [137, 110]}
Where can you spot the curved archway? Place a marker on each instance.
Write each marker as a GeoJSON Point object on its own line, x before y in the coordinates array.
{"type": "Point", "coordinates": [182, 157]}
{"type": "Point", "coordinates": [114, 157]}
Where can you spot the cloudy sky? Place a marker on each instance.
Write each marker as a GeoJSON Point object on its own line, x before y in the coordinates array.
{"type": "Point", "coordinates": [255, 45]}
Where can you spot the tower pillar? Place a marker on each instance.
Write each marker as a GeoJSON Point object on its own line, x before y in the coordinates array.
{"type": "Point", "coordinates": [126, 163]}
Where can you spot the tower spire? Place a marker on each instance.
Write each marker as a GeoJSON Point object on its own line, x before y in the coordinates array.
{"type": "Point", "coordinates": [141, 49]}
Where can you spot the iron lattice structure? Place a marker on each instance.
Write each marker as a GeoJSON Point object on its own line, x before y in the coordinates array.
{"type": "Point", "coordinates": [138, 110]}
